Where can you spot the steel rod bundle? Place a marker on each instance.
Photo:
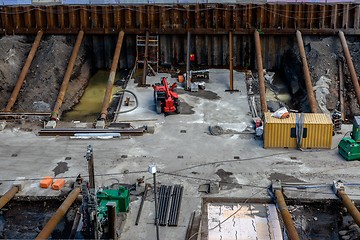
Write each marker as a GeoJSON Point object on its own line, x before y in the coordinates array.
{"type": "Point", "coordinates": [175, 205]}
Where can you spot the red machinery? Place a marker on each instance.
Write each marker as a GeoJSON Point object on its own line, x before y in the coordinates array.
{"type": "Point", "coordinates": [165, 97]}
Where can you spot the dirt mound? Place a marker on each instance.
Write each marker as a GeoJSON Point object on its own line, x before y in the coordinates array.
{"type": "Point", "coordinates": [14, 50]}
{"type": "Point", "coordinates": [43, 81]}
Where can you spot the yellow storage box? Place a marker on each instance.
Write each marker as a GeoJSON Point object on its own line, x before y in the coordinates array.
{"type": "Point", "coordinates": [282, 133]}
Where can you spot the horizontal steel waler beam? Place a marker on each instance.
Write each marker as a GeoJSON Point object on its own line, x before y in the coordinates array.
{"type": "Point", "coordinates": [158, 31]}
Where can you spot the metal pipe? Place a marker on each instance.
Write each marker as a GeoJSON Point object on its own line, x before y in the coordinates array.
{"type": "Point", "coordinates": [231, 65]}
{"type": "Point", "coordinates": [288, 222]}
{"type": "Point", "coordinates": [309, 87]}
{"type": "Point", "coordinates": [58, 215]}
{"type": "Point", "coordinates": [141, 204]}
{"type": "Point", "coordinates": [75, 225]}
{"type": "Point", "coordinates": [350, 64]}
{"type": "Point", "coordinates": [111, 215]}
{"type": "Point", "coordinates": [8, 196]}
{"type": "Point", "coordinates": [23, 72]}
{"type": "Point", "coordinates": [354, 212]}
{"type": "Point", "coordinates": [341, 88]}
{"type": "Point", "coordinates": [156, 207]}
{"type": "Point", "coordinates": [260, 72]}
{"type": "Point", "coordinates": [143, 81]}
{"type": "Point", "coordinates": [107, 97]}
{"type": "Point", "coordinates": [66, 79]}
{"type": "Point", "coordinates": [187, 83]}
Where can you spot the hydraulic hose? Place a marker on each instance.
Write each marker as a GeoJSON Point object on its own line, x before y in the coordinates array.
{"type": "Point", "coordinates": [136, 102]}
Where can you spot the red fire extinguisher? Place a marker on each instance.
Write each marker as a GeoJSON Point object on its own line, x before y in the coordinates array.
{"type": "Point", "coordinates": [192, 57]}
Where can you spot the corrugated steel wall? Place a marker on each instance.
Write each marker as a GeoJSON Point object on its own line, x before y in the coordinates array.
{"type": "Point", "coordinates": [277, 132]}
{"type": "Point", "coordinates": [209, 25]}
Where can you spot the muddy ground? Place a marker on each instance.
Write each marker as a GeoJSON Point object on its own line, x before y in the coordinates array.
{"type": "Point", "coordinates": [44, 78]}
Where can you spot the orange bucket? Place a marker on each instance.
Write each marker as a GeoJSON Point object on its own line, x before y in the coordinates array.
{"type": "Point", "coordinates": [181, 78]}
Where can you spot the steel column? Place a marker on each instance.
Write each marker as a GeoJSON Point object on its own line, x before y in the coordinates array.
{"type": "Point", "coordinates": [354, 212]}
{"type": "Point", "coordinates": [58, 215]}
{"type": "Point", "coordinates": [341, 88]}
{"type": "Point", "coordinates": [65, 83]}
{"type": "Point", "coordinates": [143, 81]}
{"type": "Point", "coordinates": [288, 222]}
{"type": "Point", "coordinates": [188, 79]}
{"type": "Point", "coordinates": [231, 60]}
{"type": "Point", "coordinates": [24, 71]}
{"type": "Point", "coordinates": [107, 97]}
{"type": "Point", "coordinates": [309, 87]}
{"type": "Point", "coordinates": [260, 72]}
{"type": "Point", "coordinates": [350, 64]}
{"type": "Point", "coordinates": [8, 196]}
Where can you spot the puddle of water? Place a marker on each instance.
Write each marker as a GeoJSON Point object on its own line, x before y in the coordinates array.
{"type": "Point", "coordinates": [89, 107]}
{"type": "Point", "coordinates": [60, 168]}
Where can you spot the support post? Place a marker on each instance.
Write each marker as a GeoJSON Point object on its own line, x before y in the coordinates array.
{"type": "Point", "coordinates": [231, 61]}
{"type": "Point", "coordinates": [350, 64]}
{"type": "Point", "coordinates": [231, 64]}
{"type": "Point", "coordinates": [24, 71]}
{"type": "Point", "coordinates": [340, 192]}
{"type": "Point", "coordinates": [107, 97]}
{"type": "Point", "coordinates": [90, 159]}
{"type": "Point", "coordinates": [156, 207]}
{"type": "Point", "coordinates": [262, 90]}
{"type": "Point", "coordinates": [341, 88]}
{"type": "Point", "coordinates": [309, 87]}
{"type": "Point", "coordinates": [143, 81]}
{"type": "Point", "coordinates": [58, 215]}
{"type": "Point", "coordinates": [66, 79]}
{"type": "Point", "coordinates": [8, 196]}
{"type": "Point", "coordinates": [288, 222]}
{"type": "Point", "coordinates": [188, 77]}
{"type": "Point", "coordinates": [111, 215]}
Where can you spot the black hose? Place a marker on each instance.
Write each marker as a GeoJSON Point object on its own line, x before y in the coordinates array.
{"type": "Point", "coordinates": [136, 102]}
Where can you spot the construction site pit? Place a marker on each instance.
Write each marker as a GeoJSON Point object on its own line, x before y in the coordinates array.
{"type": "Point", "coordinates": [210, 148]}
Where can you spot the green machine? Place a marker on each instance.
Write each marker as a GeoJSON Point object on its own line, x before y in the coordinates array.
{"type": "Point", "coordinates": [120, 196]}
{"type": "Point", "coordinates": [349, 147]}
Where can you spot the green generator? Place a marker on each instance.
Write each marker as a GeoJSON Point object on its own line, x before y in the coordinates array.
{"type": "Point", "coordinates": [349, 148]}
{"type": "Point", "coordinates": [120, 196]}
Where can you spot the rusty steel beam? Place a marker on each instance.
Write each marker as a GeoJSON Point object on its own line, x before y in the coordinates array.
{"type": "Point", "coordinates": [175, 31]}
{"type": "Point", "coordinates": [23, 72]}
{"type": "Point", "coordinates": [107, 97]}
{"type": "Point", "coordinates": [350, 64]}
{"type": "Point", "coordinates": [231, 61]}
{"type": "Point", "coordinates": [309, 87]}
{"type": "Point", "coordinates": [351, 208]}
{"type": "Point", "coordinates": [8, 196]}
{"type": "Point", "coordinates": [58, 215]}
{"type": "Point", "coordinates": [260, 72]}
{"type": "Point", "coordinates": [288, 222]}
{"type": "Point", "coordinates": [143, 81]}
{"type": "Point", "coordinates": [65, 82]}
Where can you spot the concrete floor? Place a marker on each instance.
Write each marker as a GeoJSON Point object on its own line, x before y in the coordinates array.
{"type": "Point", "coordinates": [184, 152]}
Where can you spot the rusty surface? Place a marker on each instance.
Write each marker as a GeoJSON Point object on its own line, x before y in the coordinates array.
{"type": "Point", "coordinates": [350, 65]}
{"type": "Point", "coordinates": [260, 73]}
{"type": "Point", "coordinates": [217, 18]}
{"type": "Point", "coordinates": [8, 196]}
{"type": "Point", "coordinates": [351, 208]}
{"type": "Point", "coordinates": [66, 79]}
{"type": "Point", "coordinates": [307, 78]}
{"type": "Point", "coordinates": [107, 97]}
{"type": "Point", "coordinates": [288, 222]}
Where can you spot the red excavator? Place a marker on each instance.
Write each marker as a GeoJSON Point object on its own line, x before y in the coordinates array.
{"type": "Point", "coordinates": [165, 97]}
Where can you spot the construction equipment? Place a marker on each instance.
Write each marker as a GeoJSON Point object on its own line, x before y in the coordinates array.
{"type": "Point", "coordinates": [349, 147]}
{"type": "Point", "coordinates": [165, 97]}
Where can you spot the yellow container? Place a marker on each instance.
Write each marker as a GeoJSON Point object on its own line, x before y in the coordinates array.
{"type": "Point", "coordinates": [281, 133]}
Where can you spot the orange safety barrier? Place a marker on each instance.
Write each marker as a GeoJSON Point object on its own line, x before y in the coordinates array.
{"type": "Point", "coordinates": [46, 182]}
{"type": "Point", "coordinates": [58, 184]}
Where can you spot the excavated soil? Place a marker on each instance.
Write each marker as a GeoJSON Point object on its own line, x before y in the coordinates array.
{"type": "Point", "coordinates": [44, 78]}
